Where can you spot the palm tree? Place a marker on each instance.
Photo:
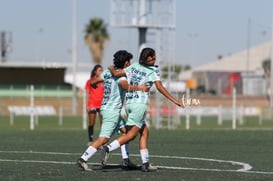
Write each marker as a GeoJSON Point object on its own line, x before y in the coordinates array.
{"type": "Point", "coordinates": [267, 69]}
{"type": "Point", "coordinates": [95, 37]}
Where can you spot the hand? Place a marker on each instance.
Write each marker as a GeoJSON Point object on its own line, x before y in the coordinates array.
{"type": "Point", "coordinates": [111, 68]}
{"type": "Point", "coordinates": [94, 86]}
{"type": "Point", "coordinates": [144, 88]}
{"type": "Point", "coordinates": [180, 103]}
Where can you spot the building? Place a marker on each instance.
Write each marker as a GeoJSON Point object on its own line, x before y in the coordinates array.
{"type": "Point", "coordinates": [26, 74]}
{"type": "Point", "coordinates": [242, 70]}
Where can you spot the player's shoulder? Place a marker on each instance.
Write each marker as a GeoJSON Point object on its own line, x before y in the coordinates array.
{"type": "Point", "coordinates": [153, 68]}
{"type": "Point", "coordinates": [106, 73]}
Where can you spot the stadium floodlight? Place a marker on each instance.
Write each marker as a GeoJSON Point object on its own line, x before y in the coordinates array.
{"type": "Point", "coordinates": [154, 20]}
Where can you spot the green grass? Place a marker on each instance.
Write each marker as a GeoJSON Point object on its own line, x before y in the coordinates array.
{"type": "Point", "coordinates": [49, 152]}
{"type": "Point", "coordinates": [210, 122]}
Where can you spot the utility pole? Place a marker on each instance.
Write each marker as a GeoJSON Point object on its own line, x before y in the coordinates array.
{"type": "Point", "coordinates": [5, 45]}
{"type": "Point", "coordinates": [142, 29]}
{"type": "Point", "coordinates": [74, 56]}
{"type": "Point", "coordinates": [271, 74]}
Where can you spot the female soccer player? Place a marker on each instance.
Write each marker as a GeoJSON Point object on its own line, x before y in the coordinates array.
{"type": "Point", "coordinates": [94, 96]}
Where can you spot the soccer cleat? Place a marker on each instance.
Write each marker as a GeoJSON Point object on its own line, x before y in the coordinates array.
{"type": "Point", "coordinates": [83, 165]}
{"type": "Point", "coordinates": [147, 167]}
{"type": "Point", "coordinates": [104, 155]}
{"type": "Point", "coordinates": [126, 164]}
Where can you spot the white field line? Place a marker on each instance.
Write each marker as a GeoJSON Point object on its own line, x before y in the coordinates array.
{"type": "Point", "coordinates": [246, 167]}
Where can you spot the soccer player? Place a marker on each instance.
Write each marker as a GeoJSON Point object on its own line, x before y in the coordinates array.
{"type": "Point", "coordinates": [94, 96]}
{"type": "Point", "coordinates": [142, 72]}
{"type": "Point", "coordinates": [114, 91]}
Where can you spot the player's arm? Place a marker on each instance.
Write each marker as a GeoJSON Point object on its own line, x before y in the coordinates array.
{"type": "Point", "coordinates": [130, 88]}
{"type": "Point", "coordinates": [115, 73]}
{"type": "Point", "coordinates": [94, 81]}
{"type": "Point", "coordinates": [163, 91]}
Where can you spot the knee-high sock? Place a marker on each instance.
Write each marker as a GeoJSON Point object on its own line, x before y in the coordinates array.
{"type": "Point", "coordinates": [124, 151]}
{"type": "Point", "coordinates": [89, 152]}
{"type": "Point", "coordinates": [144, 153]}
{"type": "Point", "coordinates": [114, 145]}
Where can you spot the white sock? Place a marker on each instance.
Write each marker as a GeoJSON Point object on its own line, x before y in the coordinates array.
{"type": "Point", "coordinates": [90, 151]}
{"type": "Point", "coordinates": [124, 151]}
{"type": "Point", "coordinates": [114, 145]}
{"type": "Point", "coordinates": [144, 155]}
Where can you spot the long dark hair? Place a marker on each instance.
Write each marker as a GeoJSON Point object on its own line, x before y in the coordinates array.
{"type": "Point", "coordinates": [145, 53]}
{"type": "Point", "coordinates": [95, 69]}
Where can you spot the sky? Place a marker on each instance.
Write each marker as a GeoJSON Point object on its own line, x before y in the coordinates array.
{"type": "Point", "coordinates": [205, 29]}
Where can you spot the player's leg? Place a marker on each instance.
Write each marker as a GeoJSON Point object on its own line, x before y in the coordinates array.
{"type": "Point", "coordinates": [136, 114]}
{"type": "Point", "coordinates": [144, 152]}
{"type": "Point", "coordinates": [92, 117]}
{"type": "Point", "coordinates": [123, 139]}
{"type": "Point", "coordinates": [110, 121]}
{"type": "Point", "coordinates": [89, 152]}
{"type": "Point", "coordinates": [99, 116]}
{"type": "Point", "coordinates": [126, 163]}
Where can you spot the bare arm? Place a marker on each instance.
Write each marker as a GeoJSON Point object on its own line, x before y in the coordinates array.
{"type": "Point", "coordinates": [94, 81]}
{"type": "Point", "coordinates": [164, 92]}
{"type": "Point", "coordinates": [115, 73]}
{"type": "Point", "coordinates": [124, 84]}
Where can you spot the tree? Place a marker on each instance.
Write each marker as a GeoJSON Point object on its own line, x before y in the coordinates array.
{"type": "Point", "coordinates": [267, 69]}
{"type": "Point", "coordinates": [95, 37]}
{"type": "Point", "coordinates": [266, 66]}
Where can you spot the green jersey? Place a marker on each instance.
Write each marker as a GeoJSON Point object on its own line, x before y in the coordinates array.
{"type": "Point", "coordinates": [138, 74]}
{"type": "Point", "coordinates": [113, 93]}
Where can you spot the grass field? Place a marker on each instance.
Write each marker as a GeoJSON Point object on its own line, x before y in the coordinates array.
{"type": "Point", "coordinates": [203, 153]}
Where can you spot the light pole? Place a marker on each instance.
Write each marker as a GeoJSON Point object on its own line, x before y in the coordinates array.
{"type": "Point", "coordinates": [271, 72]}
{"type": "Point", "coordinates": [39, 56]}
{"type": "Point", "coordinates": [247, 56]}
{"type": "Point", "coordinates": [74, 56]}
